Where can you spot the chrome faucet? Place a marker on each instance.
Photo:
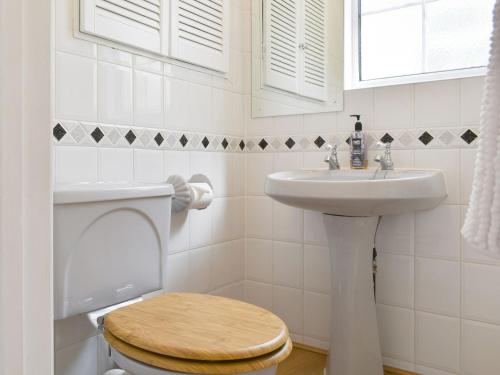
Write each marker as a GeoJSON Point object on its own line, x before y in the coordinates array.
{"type": "Point", "coordinates": [386, 163]}
{"type": "Point", "coordinates": [331, 158]}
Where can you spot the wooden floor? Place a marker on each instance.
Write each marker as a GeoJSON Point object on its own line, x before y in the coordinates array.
{"type": "Point", "coordinates": [306, 362]}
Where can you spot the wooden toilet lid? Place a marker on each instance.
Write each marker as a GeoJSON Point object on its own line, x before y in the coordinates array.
{"type": "Point", "coordinates": [190, 366]}
{"type": "Point", "coordinates": [198, 327]}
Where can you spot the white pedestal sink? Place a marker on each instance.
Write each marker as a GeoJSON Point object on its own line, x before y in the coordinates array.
{"type": "Point", "coordinates": [352, 202]}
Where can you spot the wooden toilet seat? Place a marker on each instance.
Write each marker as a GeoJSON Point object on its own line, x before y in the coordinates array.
{"type": "Point", "coordinates": [198, 333]}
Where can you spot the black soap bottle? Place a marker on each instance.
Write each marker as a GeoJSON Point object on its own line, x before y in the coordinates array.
{"type": "Point", "coordinates": [358, 146]}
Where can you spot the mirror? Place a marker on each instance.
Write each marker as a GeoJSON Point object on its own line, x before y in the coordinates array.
{"type": "Point", "coordinates": [297, 57]}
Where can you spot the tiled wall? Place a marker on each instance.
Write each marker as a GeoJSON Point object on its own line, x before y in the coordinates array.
{"type": "Point", "coordinates": [437, 299]}
{"type": "Point", "coordinates": [103, 94]}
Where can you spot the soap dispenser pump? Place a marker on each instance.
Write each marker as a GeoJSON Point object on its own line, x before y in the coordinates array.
{"type": "Point", "coordinates": [359, 158]}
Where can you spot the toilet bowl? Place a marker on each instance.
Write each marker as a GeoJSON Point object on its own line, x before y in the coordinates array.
{"type": "Point", "coordinates": [183, 333]}
{"type": "Point", "coordinates": [110, 250]}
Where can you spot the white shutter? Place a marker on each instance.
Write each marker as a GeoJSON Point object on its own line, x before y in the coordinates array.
{"type": "Point", "coordinates": [138, 23]}
{"type": "Point", "coordinates": [280, 45]}
{"type": "Point", "coordinates": [313, 75]}
{"type": "Point", "coordinates": [199, 32]}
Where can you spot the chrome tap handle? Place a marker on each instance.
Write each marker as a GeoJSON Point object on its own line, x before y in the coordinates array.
{"type": "Point", "coordinates": [332, 157]}
{"type": "Point", "coordinates": [385, 160]}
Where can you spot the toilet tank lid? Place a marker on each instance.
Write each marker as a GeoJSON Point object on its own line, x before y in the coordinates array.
{"type": "Point", "coordinates": [103, 191]}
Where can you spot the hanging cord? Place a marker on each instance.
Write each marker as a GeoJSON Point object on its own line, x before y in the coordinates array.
{"type": "Point", "coordinates": [374, 261]}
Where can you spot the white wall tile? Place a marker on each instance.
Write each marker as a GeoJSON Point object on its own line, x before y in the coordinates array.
{"type": "Point", "coordinates": [200, 227]}
{"type": "Point", "coordinates": [393, 107]}
{"type": "Point", "coordinates": [317, 269]}
{"type": "Point", "coordinates": [437, 232]}
{"type": "Point", "coordinates": [288, 264]}
{"type": "Point", "coordinates": [258, 166]}
{"type": "Point", "coordinates": [179, 232]}
{"type": "Point", "coordinates": [314, 228]}
{"type": "Point", "coordinates": [148, 99]}
{"type": "Point", "coordinates": [147, 64]}
{"type": "Point", "coordinates": [227, 263]}
{"type": "Point", "coordinates": [76, 164]}
{"type": "Point", "coordinates": [288, 125]}
{"type": "Point", "coordinates": [237, 218]}
{"type": "Point", "coordinates": [115, 93]}
{"type": "Point", "coordinates": [437, 103]}
{"type": "Point", "coordinates": [395, 280]}
{"type": "Point", "coordinates": [467, 163]}
{"type": "Point", "coordinates": [176, 162]}
{"type": "Point", "coordinates": [437, 286]}
{"type": "Point", "coordinates": [396, 331]}
{"type": "Point", "coordinates": [317, 315]}
{"type": "Point", "coordinates": [447, 161]}
{"type": "Point", "coordinates": [259, 260]}
{"type": "Point", "coordinates": [481, 292]}
{"type": "Point", "coordinates": [259, 294]}
{"type": "Point", "coordinates": [114, 55]}
{"type": "Point", "coordinates": [238, 174]}
{"type": "Point", "coordinates": [77, 359]}
{"type": "Point", "coordinates": [221, 219]}
{"type": "Point", "coordinates": [480, 343]}
{"type": "Point", "coordinates": [199, 269]}
{"type": "Point", "coordinates": [288, 223]}
{"type": "Point", "coordinates": [288, 304]}
{"type": "Point", "coordinates": [199, 110]}
{"type": "Point", "coordinates": [176, 106]}
{"type": "Point", "coordinates": [177, 273]}
{"type": "Point", "coordinates": [116, 164]}
{"type": "Point", "coordinates": [395, 234]}
{"type": "Point", "coordinates": [221, 174]}
{"type": "Point", "coordinates": [320, 123]}
{"type": "Point", "coordinates": [259, 217]}
{"type": "Point", "coordinates": [148, 166]}
{"type": "Point", "coordinates": [201, 162]}
{"type": "Point", "coordinates": [286, 161]}
{"type": "Point", "coordinates": [437, 341]}
{"type": "Point", "coordinates": [471, 94]}
{"type": "Point", "coordinates": [75, 87]}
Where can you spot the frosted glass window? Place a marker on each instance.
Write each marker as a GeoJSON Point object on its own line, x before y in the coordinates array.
{"type": "Point", "coordinates": [408, 37]}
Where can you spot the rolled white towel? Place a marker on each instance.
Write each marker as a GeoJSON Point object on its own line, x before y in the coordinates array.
{"type": "Point", "coordinates": [482, 223]}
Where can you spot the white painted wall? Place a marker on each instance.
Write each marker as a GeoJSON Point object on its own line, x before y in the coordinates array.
{"type": "Point", "coordinates": [26, 345]}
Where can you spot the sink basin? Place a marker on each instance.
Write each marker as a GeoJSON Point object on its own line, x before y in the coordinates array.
{"type": "Point", "coordinates": [358, 192]}
{"type": "Point", "coordinates": [352, 202]}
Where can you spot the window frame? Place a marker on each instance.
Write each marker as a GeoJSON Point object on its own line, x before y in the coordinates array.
{"type": "Point", "coordinates": [352, 79]}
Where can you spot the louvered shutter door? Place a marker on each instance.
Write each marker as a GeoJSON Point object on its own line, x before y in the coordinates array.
{"type": "Point", "coordinates": [313, 67]}
{"type": "Point", "coordinates": [280, 45]}
{"type": "Point", "coordinates": [138, 23]}
{"type": "Point", "coordinates": [199, 32]}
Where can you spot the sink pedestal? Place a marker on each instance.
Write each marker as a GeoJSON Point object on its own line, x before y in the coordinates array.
{"type": "Point", "coordinates": [354, 342]}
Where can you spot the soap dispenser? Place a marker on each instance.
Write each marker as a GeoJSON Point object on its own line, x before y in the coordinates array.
{"type": "Point", "coordinates": [359, 158]}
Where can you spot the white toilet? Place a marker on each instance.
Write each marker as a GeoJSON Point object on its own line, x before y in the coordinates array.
{"type": "Point", "coordinates": [110, 250]}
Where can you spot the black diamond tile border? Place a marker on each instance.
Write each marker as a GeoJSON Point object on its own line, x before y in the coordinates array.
{"type": "Point", "coordinates": [183, 140]}
{"type": "Point", "coordinates": [58, 132]}
{"type": "Point", "coordinates": [205, 142]}
{"type": "Point", "coordinates": [319, 142]}
{"type": "Point", "coordinates": [263, 144]}
{"type": "Point", "coordinates": [469, 136]}
{"type": "Point", "coordinates": [425, 138]}
{"type": "Point", "coordinates": [130, 137]}
{"type": "Point", "coordinates": [97, 134]}
{"type": "Point", "coordinates": [159, 139]}
{"type": "Point", "coordinates": [387, 138]}
{"type": "Point", "coordinates": [224, 143]}
{"type": "Point", "coordinates": [290, 143]}
{"type": "Point", "coordinates": [242, 145]}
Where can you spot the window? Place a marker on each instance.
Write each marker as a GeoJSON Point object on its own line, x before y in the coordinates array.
{"type": "Point", "coordinates": [403, 41]}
